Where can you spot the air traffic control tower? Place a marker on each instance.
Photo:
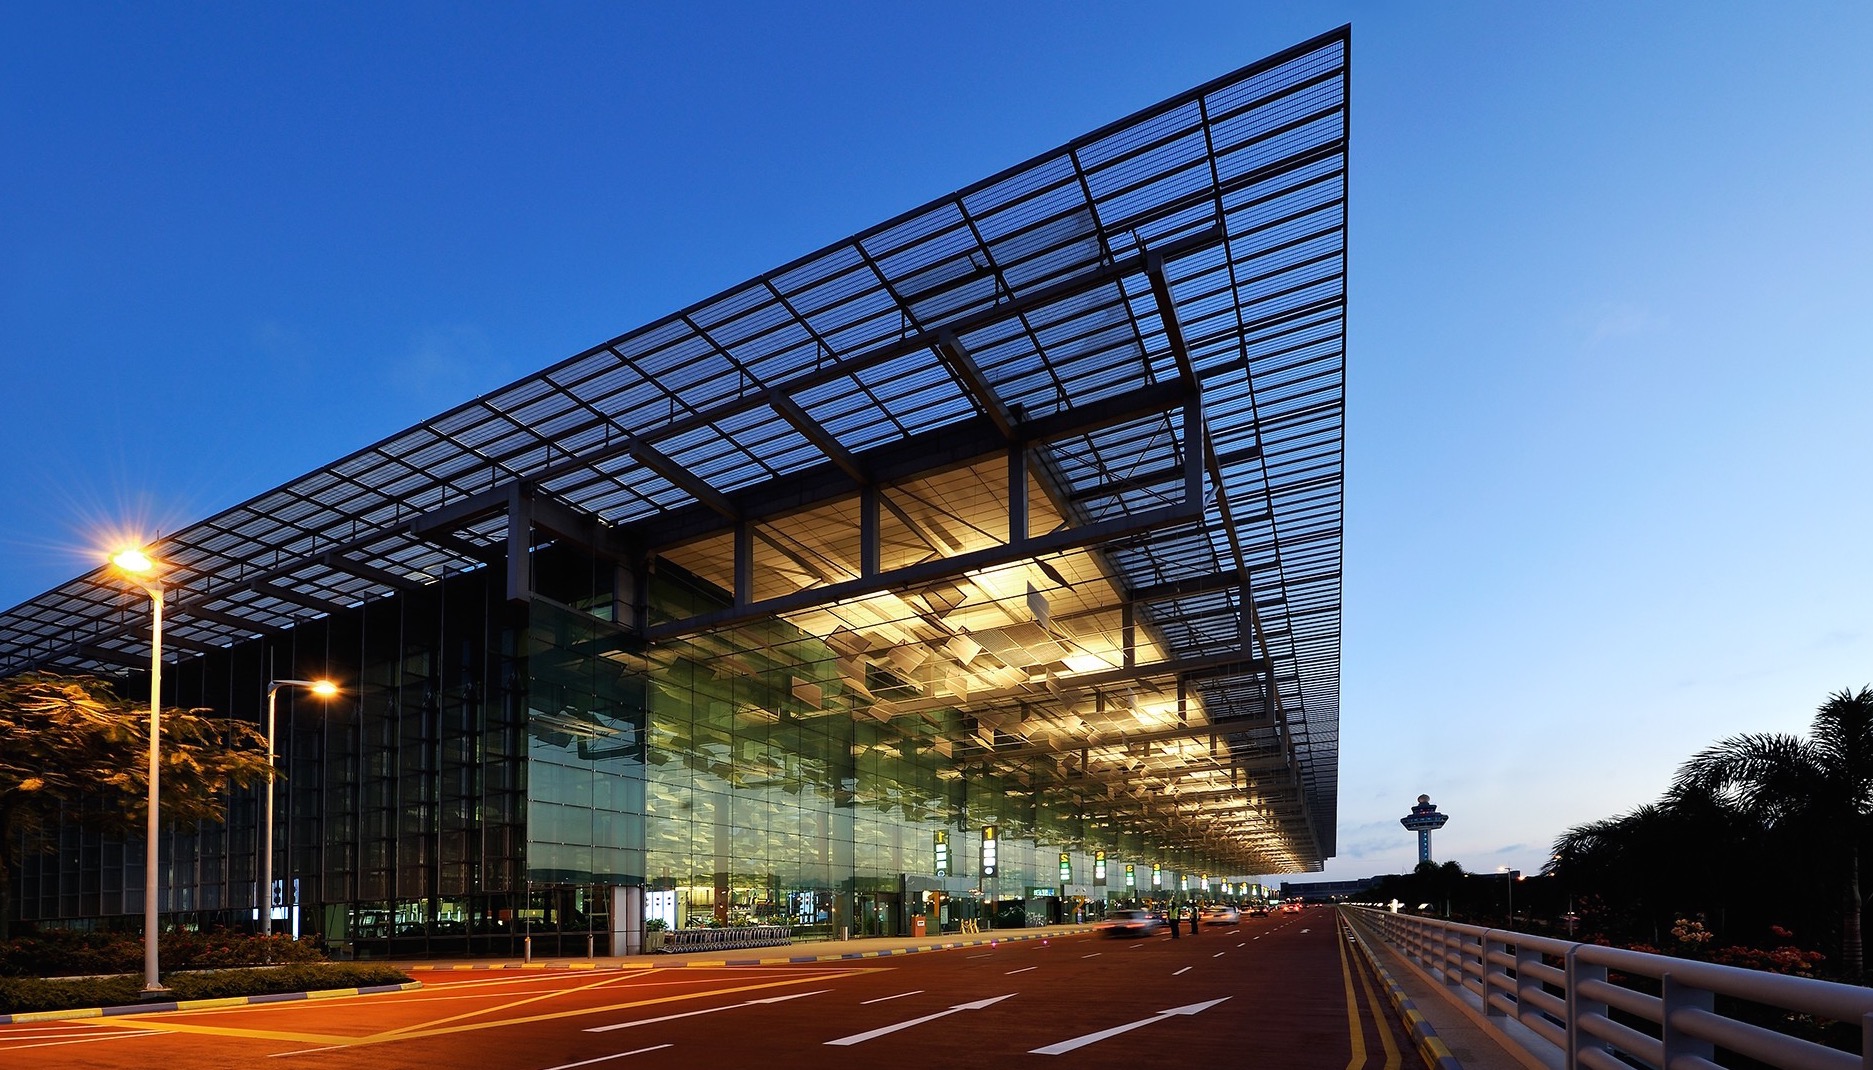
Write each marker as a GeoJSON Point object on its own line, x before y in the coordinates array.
{"type": "Point", "coordinates": [1423, 820]}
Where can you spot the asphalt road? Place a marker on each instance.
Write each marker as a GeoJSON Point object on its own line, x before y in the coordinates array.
{"type": "Point", "coordinates": [1285, 991]}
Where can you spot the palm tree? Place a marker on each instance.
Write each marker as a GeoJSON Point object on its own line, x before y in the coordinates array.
{"type": "Point", "coordinates": [1801, 788]}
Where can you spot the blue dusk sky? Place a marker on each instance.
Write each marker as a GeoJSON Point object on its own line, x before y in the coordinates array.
{"type": "Point", "coordinates": [1609, 489]}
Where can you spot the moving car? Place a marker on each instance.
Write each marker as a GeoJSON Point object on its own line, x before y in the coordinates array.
{"type": "Point", "coordinates": [1130, 923]}
{"type": "Point", "coordinates": [1258, 909]}
{"type": "Point", "coordinates": [1292, 906]}
{"type": "Point", "coordinates": [1221, 916]}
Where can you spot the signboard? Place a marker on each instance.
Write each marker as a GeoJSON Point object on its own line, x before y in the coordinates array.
{"type": "Point", "coordinates": [1131, 875]}
{"type": "Point", "coordinates": [1066, 868]}
{"type": "Point", "coordinates": [990, 861]}
{"type": "Point", "coordinates": [1157, 875]}
{"type": "Point", "coordinates": [1099, 867]}
{"type": "Point", "coordinates": [942, 853]}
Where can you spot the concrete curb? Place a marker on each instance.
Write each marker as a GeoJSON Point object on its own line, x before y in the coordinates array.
{"type": "Point", "coordinates": [1431, 1049]}
{"type": "Point", "coordinates": [669, 961]}
{"type": "Point", "coordinates": [201, 1004]}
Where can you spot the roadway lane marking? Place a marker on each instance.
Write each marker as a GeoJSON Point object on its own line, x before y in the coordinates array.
{"type": "Point", "coordinates": [881, 999]}
{"type": "Point", "coordinates": [69, 1039]}
{"type": "Point", "coordinates": [1023, 969]}
{"type": "Point", "coordinates": [1185, 970]}
{"type": "Point", "coordinates": [705, 1010]}
{"type": "Point", "coordinates": [535, 998]}
{"type": "Point", "coordinates": [1094, 955]}
{"type": "Point", "coordinates": [1219, 954]}
{"type": "Point", "coordinates": [984, 955]}
{"type": "Point", "coordinates": [1242, 945]}
{"type": "Point", "coordinates": [1379, 1021]}
{"type": "Point", "coordinates": [1352, 1017]}
{"type": "Point", "coordinates": [608, 1058]}
{"type": "Point", "coordinates": [336, 1042]}
{"type": "Point", "coordinates": [1093, 1038]}
{"type": "Point", "coordinates": [873, 1034]}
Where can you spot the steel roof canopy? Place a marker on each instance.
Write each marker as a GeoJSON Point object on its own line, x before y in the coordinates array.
{"type": "Point", "coordinates": [1201, 240]}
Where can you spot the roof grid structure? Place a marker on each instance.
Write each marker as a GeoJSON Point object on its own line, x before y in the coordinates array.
{"type": "Point", "coordinates": [1024, 295]}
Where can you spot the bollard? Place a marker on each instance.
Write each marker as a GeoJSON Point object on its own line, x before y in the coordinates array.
{"type": "Point", "coordinates": [588, 945]}
{"type": "Point", "coordinates": [526, 949]}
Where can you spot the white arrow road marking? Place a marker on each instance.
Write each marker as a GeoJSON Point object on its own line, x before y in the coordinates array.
{"type": "Point", "coordinates": [873, 1034]}
{"type": "Point", "coordinates": [1093, 1038]}
{"type": "Point", "coordinates": [705, 1010]}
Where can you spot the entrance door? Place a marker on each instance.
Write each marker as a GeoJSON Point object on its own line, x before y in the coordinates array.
{"type": "Point", "coordinates": [878, 914]}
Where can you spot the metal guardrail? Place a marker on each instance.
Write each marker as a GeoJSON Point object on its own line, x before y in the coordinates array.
{"type": "Point", "coordinates": [727, 939]}
{"type": "Point", "coordinates": [1568, 994]}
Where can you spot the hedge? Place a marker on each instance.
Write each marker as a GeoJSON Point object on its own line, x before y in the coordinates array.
{"type": "Point", "coordinates": [20, 994]}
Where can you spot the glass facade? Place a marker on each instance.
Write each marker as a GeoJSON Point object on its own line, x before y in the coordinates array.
{"type": "Point", "coordinates": [495, 773]}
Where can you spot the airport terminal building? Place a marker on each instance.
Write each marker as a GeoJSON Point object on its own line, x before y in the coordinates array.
{"type": "Point", "coordinates": [983, 566]}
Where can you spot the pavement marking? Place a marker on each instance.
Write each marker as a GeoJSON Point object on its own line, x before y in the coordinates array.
{"type": "Point", "coordinates": [608, 1058]}
{"type": "Point", "coordinates": [1185, 970]}
{"type": "Point", "coordinates": [1094, 955]}
{"type": "Point", "coordinates": [1352, 1016]}
{"type": "Point", "coordinates": [705, 1010]}
{"type": "Point", "coordinates": [335, 1042]}
{"type": "Point", "coordinates": [70, 1039]}
{"type": "Point", "coordinates": [873, 1034]}
{"type": "Point", "coordinates": [602, 982]}
{"type": "Point", "coordinates": [1093, 1038]}
{"type": "Point", "coordinates": [1242, 945]}
{"type": "Point", "coordinates": [1023, 969]}
{"type": "Point", "coordinates": [1219, 954]}
{"type": "Point", "coordinates": [984, 955]}
{"type": "Point", "coordinates": [1378, 1017]}
{"type": "Point", "coordinates": [881, 999]}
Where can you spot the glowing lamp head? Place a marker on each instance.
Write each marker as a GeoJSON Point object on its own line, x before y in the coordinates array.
{"type": "Point", "coordinates": [324, 688]}
{"type": "Point", "coordinates": [134, 561]}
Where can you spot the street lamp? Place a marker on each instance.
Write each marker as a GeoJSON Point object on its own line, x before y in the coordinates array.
{"type": "Point", "coordinates": [138, 567]}
{"type": "Point", "coordinates": [1509, 882]}
{"type": "Point", "coordinates": [323, 689]}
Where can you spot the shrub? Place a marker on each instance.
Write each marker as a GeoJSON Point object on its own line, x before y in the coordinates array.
{"type": "Point", "coordinates": [73, 953]}
{"type": "Point", "coordinates": [20, 994]}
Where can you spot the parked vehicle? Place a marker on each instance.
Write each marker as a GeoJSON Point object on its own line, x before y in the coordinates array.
{"type": "Point", "coordinates": [1131, 923]}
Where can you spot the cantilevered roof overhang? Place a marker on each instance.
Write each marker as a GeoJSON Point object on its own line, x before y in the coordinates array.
{"type": "Point", "coordinates": [1064, 447]}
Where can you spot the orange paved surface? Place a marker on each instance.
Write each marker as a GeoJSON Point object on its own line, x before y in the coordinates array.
{"type": "Point", "coordinates": [1272, 992]}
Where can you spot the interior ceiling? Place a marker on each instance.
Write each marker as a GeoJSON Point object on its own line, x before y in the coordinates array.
{"type": "Point", "coordinates": [1075, 312]}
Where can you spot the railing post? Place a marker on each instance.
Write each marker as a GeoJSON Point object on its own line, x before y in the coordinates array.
{"type": "Point", "coordinates": [1678, 996]}
{"type": "Point", "coordinates": [1526, 982]}
{"type": "Point", "coordinates": [1579, 1006]}
{"type": "Point", "coordinates": [1450, 955]}
{"type": "Point", "coordinates": [1494, 976]}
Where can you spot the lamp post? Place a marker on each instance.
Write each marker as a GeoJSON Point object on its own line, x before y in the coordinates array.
{"type": "Point", "coordinates": [136, 565]}
{"type": "Point", "coordinates": [1509, 882]}
{"type": "Point", "coordinates": [323, 689]}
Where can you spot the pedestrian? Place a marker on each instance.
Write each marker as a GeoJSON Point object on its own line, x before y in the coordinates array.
{"type": "Point", "coordinates": [1171, 913]}
{"type": "Point", "coordinates": [1193, 919]}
